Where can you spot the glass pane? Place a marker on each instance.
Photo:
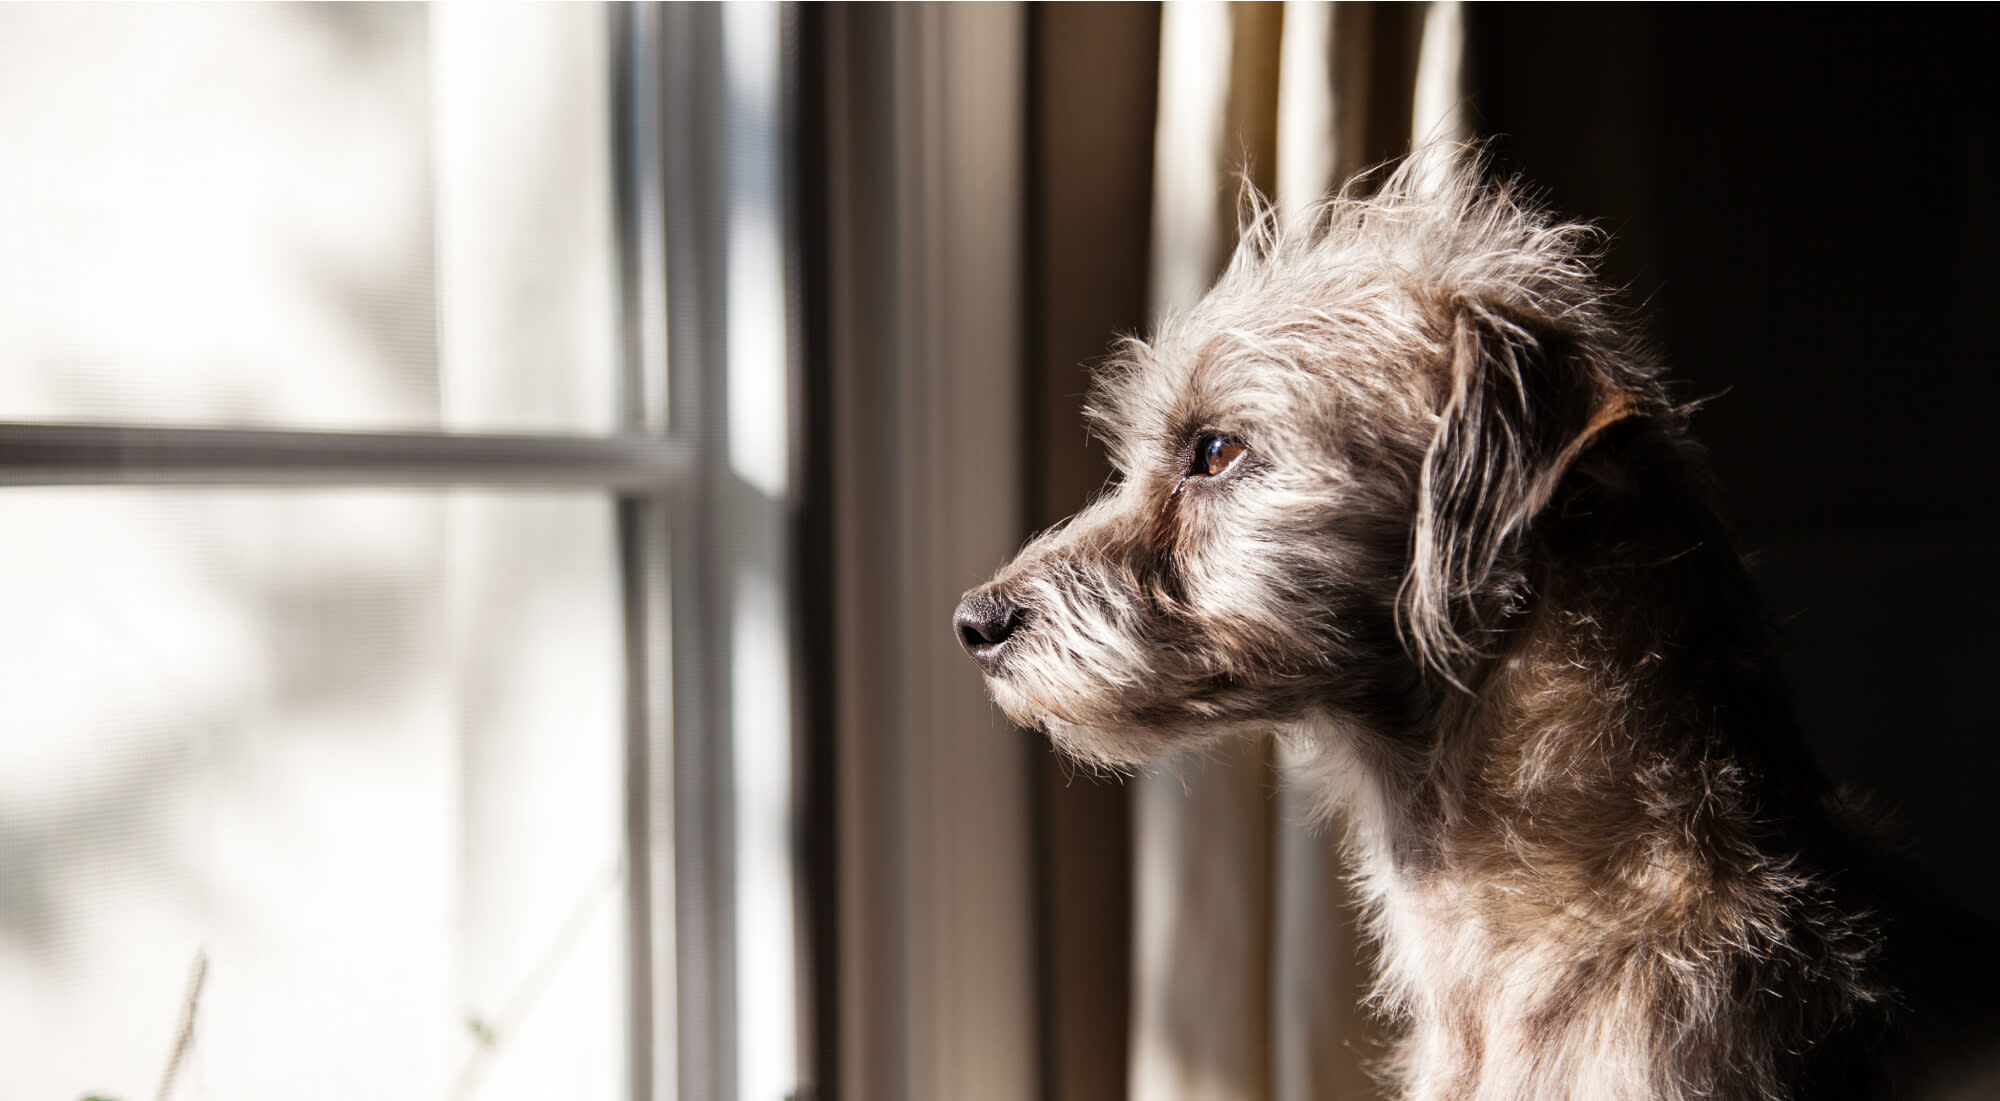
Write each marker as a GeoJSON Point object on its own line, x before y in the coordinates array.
{"type": "Point", "coordinates": [361, 751]}
{"type": "Point", "coordinates": [307, 216]}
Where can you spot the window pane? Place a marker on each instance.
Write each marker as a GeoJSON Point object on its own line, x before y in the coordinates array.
{"type": "Point", "coordinates": [314, 216]}
{"type": "Point", "coordinates": [362, 749]}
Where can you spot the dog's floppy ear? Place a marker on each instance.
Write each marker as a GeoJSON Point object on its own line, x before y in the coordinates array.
{"type": "Point", "coordinates": [1523, 399]}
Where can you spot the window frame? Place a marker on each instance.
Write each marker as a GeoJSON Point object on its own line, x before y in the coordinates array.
{"type": "Point", "coordinates": [668, 92]}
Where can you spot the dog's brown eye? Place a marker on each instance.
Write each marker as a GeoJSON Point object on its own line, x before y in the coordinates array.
{"type": "Point", "coordinates": [1215, 454]}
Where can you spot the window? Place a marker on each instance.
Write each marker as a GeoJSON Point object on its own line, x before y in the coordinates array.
{"type": "Point", "coordinates": [394, 611]}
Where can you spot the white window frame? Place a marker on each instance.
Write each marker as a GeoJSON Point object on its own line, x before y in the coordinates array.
{"type": "Point", "coordinates": [677, 505]}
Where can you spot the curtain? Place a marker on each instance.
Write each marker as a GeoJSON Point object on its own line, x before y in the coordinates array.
{"type": "Point", "coordinates": [1246, 968]}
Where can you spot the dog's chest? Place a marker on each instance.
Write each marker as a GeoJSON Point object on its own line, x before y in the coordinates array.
{"type": "Point", "coordinates": [1496, 1016]}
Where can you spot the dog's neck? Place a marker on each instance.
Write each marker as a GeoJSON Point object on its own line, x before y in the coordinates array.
{"type": "Point", "coordinates": [1575, 869]}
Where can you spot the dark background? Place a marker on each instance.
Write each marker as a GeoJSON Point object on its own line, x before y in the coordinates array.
{"type": "Point", "coordinates": [1802, 200]}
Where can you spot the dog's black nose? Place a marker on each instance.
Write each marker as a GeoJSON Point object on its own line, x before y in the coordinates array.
{"type": "Point", "coordinates": [985, 621]}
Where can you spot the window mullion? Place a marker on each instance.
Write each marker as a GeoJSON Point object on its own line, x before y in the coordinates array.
{"type": "Point", "coordinates": [78, 454]}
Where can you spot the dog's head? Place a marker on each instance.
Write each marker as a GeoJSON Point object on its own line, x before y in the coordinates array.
{"type": "Point", "coordinates": [1323, 473]}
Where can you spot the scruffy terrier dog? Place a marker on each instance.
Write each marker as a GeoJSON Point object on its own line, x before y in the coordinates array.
{"type": "Point", "coordinates": [1402, 490]}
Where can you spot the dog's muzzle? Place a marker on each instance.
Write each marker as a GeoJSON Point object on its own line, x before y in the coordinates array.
{"type": "Point", "coordinates": [985, 621]}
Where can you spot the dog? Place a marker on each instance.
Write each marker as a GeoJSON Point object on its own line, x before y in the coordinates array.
{"type": "Point", "coordinates": [1403, 490]}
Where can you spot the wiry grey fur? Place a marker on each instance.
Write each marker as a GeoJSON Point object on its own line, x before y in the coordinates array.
{"type": "Point", "coordinates": [1468, 561]}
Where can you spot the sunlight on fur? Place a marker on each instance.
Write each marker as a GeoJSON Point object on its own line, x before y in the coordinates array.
{"type": "Point", "coordinates": [1469, 568]}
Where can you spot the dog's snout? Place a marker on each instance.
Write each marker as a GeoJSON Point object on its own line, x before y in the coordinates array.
{"type": "Point", "coordinates": [985, 621]}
